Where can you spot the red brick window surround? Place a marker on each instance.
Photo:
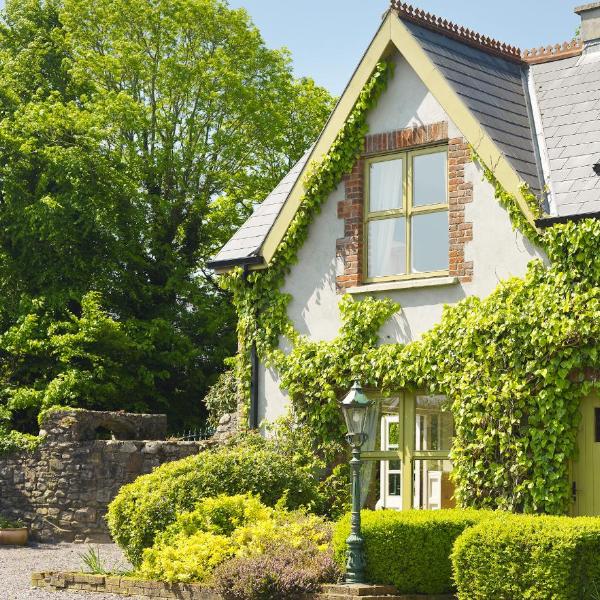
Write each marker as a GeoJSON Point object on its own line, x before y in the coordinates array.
{"type": "Point", "coordinates": [350, 248]}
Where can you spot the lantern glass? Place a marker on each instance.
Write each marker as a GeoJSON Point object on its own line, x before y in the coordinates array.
{"type": "Point", "coordinates": [356, 417]}
{"type": "Point", "coordinates": [356, 407]}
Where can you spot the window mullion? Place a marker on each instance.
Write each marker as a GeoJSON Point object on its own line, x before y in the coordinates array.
{"type": "Point", "coordinates": [408, 420]}
{"type": "Point", "coordinates": [408, 194]}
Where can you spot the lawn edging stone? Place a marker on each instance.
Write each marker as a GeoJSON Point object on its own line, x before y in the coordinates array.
{"type": "Point", "coordinates": [127, 586]}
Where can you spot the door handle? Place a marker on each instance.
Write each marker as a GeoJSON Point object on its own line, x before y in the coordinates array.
{"type": "Point", "coordinates": [574, 491]}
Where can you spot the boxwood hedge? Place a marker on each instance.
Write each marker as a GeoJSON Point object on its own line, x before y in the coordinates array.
{"type": "Point", "coordinates": [533, 557]}
{"type": "Point", "coordinates": [410, 550]}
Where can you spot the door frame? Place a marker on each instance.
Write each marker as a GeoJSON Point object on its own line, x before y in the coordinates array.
{"type": "Point", "coordinates": [573, 509]}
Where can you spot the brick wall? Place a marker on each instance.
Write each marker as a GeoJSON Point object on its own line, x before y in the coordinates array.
{"type": "Point", "coordinates": [460, 193]}
{"type": "Point", "coordinates": [349, 249]}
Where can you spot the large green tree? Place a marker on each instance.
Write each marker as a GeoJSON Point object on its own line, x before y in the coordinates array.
{"type": "Point", "coordinates": [135, 136]}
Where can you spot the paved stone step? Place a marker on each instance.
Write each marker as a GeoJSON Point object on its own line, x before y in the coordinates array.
{"type": "Point", "coordinates": [359, 589]}
{"type": "Point", "coordinates": [372, 592]}
{"type": "Point", "coordinates": [387, 597]}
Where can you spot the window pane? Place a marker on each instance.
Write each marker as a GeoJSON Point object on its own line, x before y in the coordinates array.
{"type": "Point", "coordinates": [386, 185]}
{"type": "Point", "coordinates": [434, 426]}
{"type": "Point", "coordinates": [394, 484]}
{"type": "Point", "coordinates": [432, 487]}
{"type": "Point", "coordinates": [384, 487]}
{"type": "Point", "coordinates": [393, 434]}
{"type": "Point", "coordinates": [387, 247]}
{"type": "Point", "coordinates": [430, 242]}
{"type": "Point", "coordinates": [430, 179]}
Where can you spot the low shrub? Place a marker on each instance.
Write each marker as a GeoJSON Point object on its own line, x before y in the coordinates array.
{"type": "Point", "coordinates": [221, 515]}
{"type": "Point", "coordinates": [249, 464]}
{"type": "Point", "coordinates": [280, 572]}
{"type": "Point", "coordinates": [538, 558]}
{"type": "Point", "coordinates": [409, 549]}
{"type": "Point", "coordinates": [224, 527]}
{"type": "Point", "coordinates": [186, 558]}
{"type": "Point", "coordinates": [297, 529]}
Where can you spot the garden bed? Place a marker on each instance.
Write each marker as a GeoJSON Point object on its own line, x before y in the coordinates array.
{"type": "Point", "coordinates": [127, 586]}
{"type": "Point", "coordinates": [124, 586]}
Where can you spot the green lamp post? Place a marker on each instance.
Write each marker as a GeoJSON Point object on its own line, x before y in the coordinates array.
{"type": "Point", "coordinates": [355, 407]}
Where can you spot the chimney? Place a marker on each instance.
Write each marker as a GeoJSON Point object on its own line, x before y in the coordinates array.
{"type": "Point", "coordinates": [590, 23]}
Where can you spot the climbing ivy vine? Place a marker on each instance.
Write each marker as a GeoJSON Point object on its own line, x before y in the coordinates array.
{"type": "Point", "coordinates": [513, 365]}
{"type": "Point", "coordinates": [261, 306]}
{"type": "Point", "coordinates": [510, 204]}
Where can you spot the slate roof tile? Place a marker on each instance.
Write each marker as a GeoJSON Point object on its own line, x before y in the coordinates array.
{"type": "Point", "coordinates": [504, 115]}
{"type": "Point", "coordinates": [568, 97]}
{"type": "Point", "coordinates": [248, 239]}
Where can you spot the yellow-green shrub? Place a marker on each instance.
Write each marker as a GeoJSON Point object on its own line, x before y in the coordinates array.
{"type": "Point", "coordinates": [537, 558]}
{"type": "Point", "coordinates": [294, 529]}
{"type": "Point", "coordinates": [220, 515]}
{"type": "Point", "coordinates": [409, 549]}
{"type": "Point", "coordinates": [191, 548]}
{"type": "Point", "coordinates": [186, 558]}
{"type": "Point", "coordinates": [252, 464]}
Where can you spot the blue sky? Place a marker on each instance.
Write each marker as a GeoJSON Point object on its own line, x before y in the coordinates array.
{"type": "Point", "coordinates": [327, 37]}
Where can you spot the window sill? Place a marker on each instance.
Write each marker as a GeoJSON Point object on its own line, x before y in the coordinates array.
{"type": "Point", "coordinates": [405, 284]}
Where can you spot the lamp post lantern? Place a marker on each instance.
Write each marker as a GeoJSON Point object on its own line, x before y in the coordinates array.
{"type": "Point", "coordinates": [355, 407]}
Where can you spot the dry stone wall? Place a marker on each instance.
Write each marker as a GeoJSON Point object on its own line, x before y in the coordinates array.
{"type": "Point", "coordinates": [62, 490]}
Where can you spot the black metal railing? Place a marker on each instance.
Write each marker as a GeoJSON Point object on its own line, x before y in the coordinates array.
{"type": "Point", "coordinates": [196, 435]}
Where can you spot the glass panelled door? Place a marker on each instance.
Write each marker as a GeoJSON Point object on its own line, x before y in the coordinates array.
{"type": "Point", "coordinates": [390, 470]}
{"type": "Point", "coordinates": [407, 465]}
{"type": "Point", "coordinates": [432, 488]}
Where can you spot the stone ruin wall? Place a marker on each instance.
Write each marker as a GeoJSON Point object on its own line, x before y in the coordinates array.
{"type": "Point", "coordinates": [62, 489]}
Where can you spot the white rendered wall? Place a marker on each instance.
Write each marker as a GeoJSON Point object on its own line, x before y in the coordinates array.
{"type": "Point", "coordinates": [497, 251]}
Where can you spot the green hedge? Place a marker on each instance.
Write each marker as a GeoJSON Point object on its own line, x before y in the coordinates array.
{"type": "Point", "coordinates": [538, 558]}
{"type": "Point", "coordinates": [251, 464]}
{"type": "Point", "coordinates": [411, 549]}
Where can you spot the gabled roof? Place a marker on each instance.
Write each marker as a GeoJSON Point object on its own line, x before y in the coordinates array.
{"type": "Point", "coordinates": [248, 239]}
{"type": "Point", "coordinates": [482, 84]}
{"type": "Point", "coordinates": [492, 88]}
{"type": "Point", "coordinates": [568, 95]}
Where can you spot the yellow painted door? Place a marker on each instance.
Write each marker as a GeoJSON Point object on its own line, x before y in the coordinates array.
{"type": "Point", "coordinates": [586, 469]}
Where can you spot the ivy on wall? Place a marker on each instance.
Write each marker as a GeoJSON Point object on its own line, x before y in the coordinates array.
{"type": "Point", "coordinates": [511, 364]}
{"type": "Point", "coordinates": [510, 204]}
{"type": "Point", "coordinates": [261, 306]}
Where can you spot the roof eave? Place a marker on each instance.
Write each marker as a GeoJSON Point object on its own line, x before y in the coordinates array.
{"type": "Point", "coordinates": [546, 222]}
{"type": "Point", "coordinates": [228, 264]}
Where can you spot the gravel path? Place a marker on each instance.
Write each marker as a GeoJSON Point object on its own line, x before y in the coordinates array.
{"type": "Point", "coordinates": [17, 564]}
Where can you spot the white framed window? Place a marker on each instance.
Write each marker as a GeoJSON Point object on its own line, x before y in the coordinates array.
{"type": "Point", "coordinates": [406, 215]}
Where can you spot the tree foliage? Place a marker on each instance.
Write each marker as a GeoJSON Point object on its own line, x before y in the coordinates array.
{"type": "Point", "coordinates": [135, 136]}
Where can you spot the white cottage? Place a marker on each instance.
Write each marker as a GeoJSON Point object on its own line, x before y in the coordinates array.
{"type": "Point", "coordinates": [417, 222]}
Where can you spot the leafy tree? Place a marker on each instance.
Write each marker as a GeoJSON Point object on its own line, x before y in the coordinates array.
{"type": "Point", "coordinates": [135, 136]}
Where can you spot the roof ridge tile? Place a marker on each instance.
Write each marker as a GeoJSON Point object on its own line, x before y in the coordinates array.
{"type": "Point", "coordinates": [483, 42]}
{"type": "Point", "coordinates": [553, 52]}
{"type": "Point", "coordinates": [463, 34]}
